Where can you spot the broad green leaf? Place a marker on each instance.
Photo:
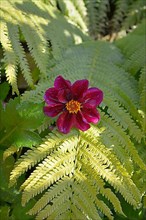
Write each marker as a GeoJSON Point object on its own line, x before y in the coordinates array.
{"type": "Point", "coordinates": [20, 123]}
{"type": "Point", "coordinates": [4, 212]}
{"type": "Point", "coordinates": [4, 89]}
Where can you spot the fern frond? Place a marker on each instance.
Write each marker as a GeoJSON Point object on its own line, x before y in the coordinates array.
{"type": "Point", "coordinates": [80, 6]}
{"type": "Point", "coordinates": [120, 115]}
{"type": "Point", "coordinates": [123, 140]}
{"type": "Point", "coordinates": [106, 192]}
{"type": "Point", "coordinates": [50, 173]}
{"type": "Point", "coordinates": [73, 11]}
{"type": "Point", "coordinates": [85, 198]}
{"type": "Point", "coordinates": [9, 58]}
{"type": "Point", "coordinates": [92, 16]}
{"type": "Point", "coordinates": [63, 170]}
{"type": "Point", "coordinates": [142, 90]}
{"type": "Point", "coordinates": [105, 172]}
{"type": "Point", "coordinates": [86, 187]}
{"type": "Point", "coordinates": [136, 12]}
{"type": "Point", "coordinates": [14, 37]}
{"type": "Point", "coordinates": [103, 9]}
{"type": "Point", "coordinates": [122, 98]}
{"type": "Point", "coordinates": [36, 154]}
{"type": "Point", "coordinates": [51, 193]}
{"type": "Point", "coordinates": [119, 14]}
{"type": "Point", "coordinates": [38, 24]}
{"type": "Point", "coordinates": [132, 46]}
{"type": "Point", "coordinates": [11, 150]}
{"type": "Point", "coordinates": [136, 60]}
{"type": "Point", "coordinates": [49, 209]}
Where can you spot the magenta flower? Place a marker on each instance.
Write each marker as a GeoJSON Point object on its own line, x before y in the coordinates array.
{"type": "Point", "coordinates": [74, 103]}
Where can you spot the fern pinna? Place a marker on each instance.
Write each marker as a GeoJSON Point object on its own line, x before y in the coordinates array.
{"type": "Point", "coordinates": [79, 175]}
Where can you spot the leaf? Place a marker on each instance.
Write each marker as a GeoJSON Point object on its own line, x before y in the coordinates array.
{"type": "Point", "coordinates": [20, 124]}
{"type": "Point", "coordinates": [4, 89]}
{"type": "Point", "coordinates": [6, 194]}
{"type": "Point", "coordinates": [19, 211]}
{"type": "Point", "coordinates": [4, 212]}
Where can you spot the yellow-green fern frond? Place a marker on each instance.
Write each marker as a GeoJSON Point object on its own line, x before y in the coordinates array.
{"type": "Point", "coordinates": [36, 154]}
{"type": "Point", "coordinates": [21, 57]}
{"type": "Point", "coordinates": [75, 11]}
{"type": "Point", "coordinates": [62, 174]}
{"type": "Point", "coordinates": [10, 58]}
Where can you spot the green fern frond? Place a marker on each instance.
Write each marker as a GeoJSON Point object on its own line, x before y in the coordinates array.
{"type": "Point", "coordinates": [9, 58]}
{"type": "Point", "coordinates": [142, 90]}
{"type": "Point", "coordinates": [136, 12]}
{"type": "Point", "coordinates": [120, 115]}
{"type": "Point", "coordinates": [63, 168]}
{"type": "Point", "coordinates": [80, 6]}
{"type": "Point", "coordinates": [36, 154]}
{"type": "Point", "coordinates": [51, 193]}
{"type": "Point", "coordinates": [136, 60]}
{"type": "Point", "coordinates": [103, 9]}
{"type": "Point", "coordinates": [133, 48]}
{"type": "Point", "coordinates": [11, 150]}
{"type": "Point", "coordinates": [38, 28]}
{"type": "Point", "coordinates": [14, 37]}
{"type": "Point", "coordinates": [119, 14]}
{"type": "Point", "coordinates": [123, 140]}
{"type": "Point", "coordinates": [75, 11]}
{"type": "Point", "coordinates": [106, 192]}
{"type": "Point", "coordinates": [92, 16]}
{"type": "Point", "coordinates": [95, 61]}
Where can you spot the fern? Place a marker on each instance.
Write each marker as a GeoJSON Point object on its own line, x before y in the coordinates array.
{"type": "Point", "coordinates": [76, 11]}
{"type": "Point", "coordinates": [104, 18]}
{"type": "Point", "coordinates": [14, 36]}
{"type": "Point", "coordinates": [64, 163]}
{"type": "Point", "coordinates": [37, 30]}
{"type": "Point", "coordinates": [92, 16]}
{"type": "Point", "coordinates": [81, 175]}
{"type": "Point", "coordinates": [133, 48]}
{"type": "Point", "coordinates": [10, 58]}
{"type": "Point", "coordinates": [142, 90]}
{"type": "Point", "coordinates": [120, 13]}
{"type": "Point", "coordinates": [136, 12]}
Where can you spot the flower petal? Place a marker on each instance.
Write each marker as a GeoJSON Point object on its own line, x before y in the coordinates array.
{"type": "Point", "coordinates": [52, 111]}
{"type": "Point", "coordinates": [51, 96]}
{"type": "Point", "coordinates": [64, 95]}
{"type": "Point", "coordinates": [65, 122]}
{"type": "Point", "coordinates": [93, 97]}
{"type": "Point", "coordinates": [79, 87]}
{"type": "Point", "coordinates": [81, 123]}
{"type": "Point", "coordinates": [61, 83]}
{"type": "Point", "coordinates": [91, 115]}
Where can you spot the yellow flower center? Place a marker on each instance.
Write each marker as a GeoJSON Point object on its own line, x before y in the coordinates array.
{"type": "Point", "coordinates": [73, 106]}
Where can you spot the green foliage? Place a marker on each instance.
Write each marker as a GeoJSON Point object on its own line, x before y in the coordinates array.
{"type": "Point", "coordinates": [45, 21]}
{"type": "Point", "coordinates": [4, 89]}
{"type": "Point", "coordinates": [133, 48]}
{"type": "Point", "coordinates": [10, 198]}
{"type": "Point", "coordinates": [97, 174]}
{"type": "Point", "coordinates": [18, 124]}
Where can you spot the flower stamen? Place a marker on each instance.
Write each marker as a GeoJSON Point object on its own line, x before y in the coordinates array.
{"type": "Point", "coordinates": [73, 106]}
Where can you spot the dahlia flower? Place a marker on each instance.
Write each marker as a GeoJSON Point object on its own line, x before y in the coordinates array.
{"type": "Point", "coordinates": [75, 104]}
